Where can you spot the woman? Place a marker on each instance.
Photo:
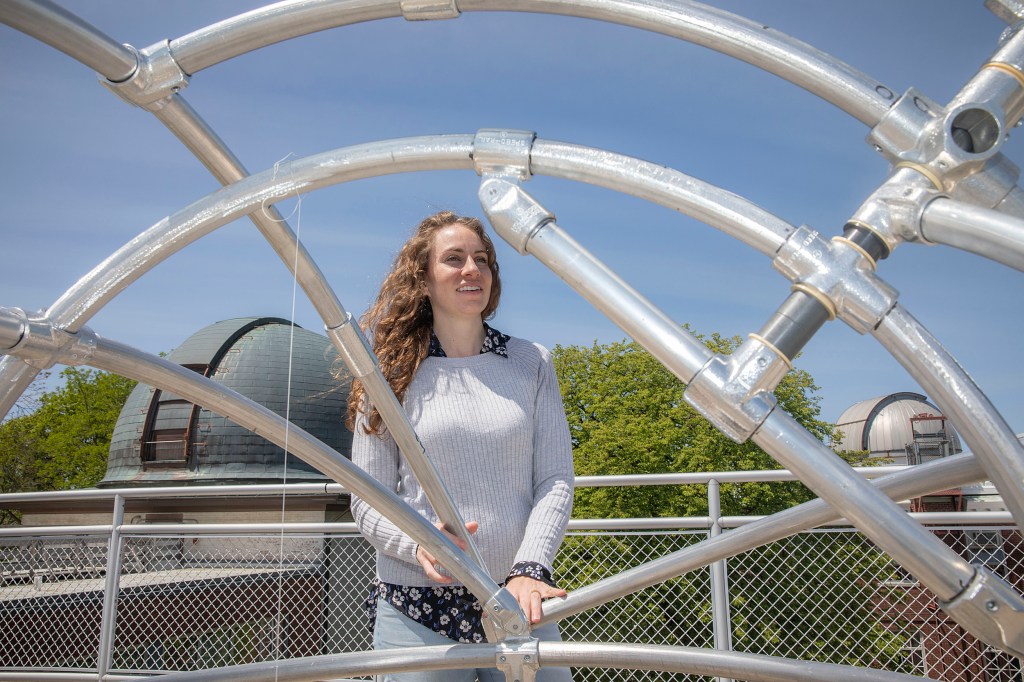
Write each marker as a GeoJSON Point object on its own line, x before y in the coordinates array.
{"type": "Point", "coordinates": [487, 408]}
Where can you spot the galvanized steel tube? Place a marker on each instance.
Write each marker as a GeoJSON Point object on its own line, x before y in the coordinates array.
{"type": "Point", "coordinates": [686, 660]}
{"type": "Point", "coordinates": [986, 232]}
{"type": "Point", "coordinates": [719, 208]}
{"type": "Point", "coordinates": [357, 663]}
{"type": "Point", "coordinates": [961, 400]}
{"type": "Point", "coordinates": [910, 482]}
{"type": "Point", "coordinates": [52, 24]}
{"type": "Point", "coordinates": [822, 74]}
{"type": "Point", "coordinates": [708, 662]}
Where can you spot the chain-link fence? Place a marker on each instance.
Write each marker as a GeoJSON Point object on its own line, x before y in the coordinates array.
{"type": "Point", "coordinates": [188, 602]}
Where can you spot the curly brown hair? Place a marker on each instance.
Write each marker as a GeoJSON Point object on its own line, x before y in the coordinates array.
{"type": "Point", "coordinates": [401, 319]}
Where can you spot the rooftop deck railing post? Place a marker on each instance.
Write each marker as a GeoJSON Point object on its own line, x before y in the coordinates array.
{"type": "Point", "coordinates": [721, 621]}
{"type": "Point", "coordinates": [111, 589]}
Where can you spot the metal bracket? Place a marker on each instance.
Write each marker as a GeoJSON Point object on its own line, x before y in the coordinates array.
{"type": "Point", "coordinates": [899, 134]}
{"type": "Point", "coordinates": [36, 341]}
{"type": "Point", "coordinates": [503, 153]}
{"type": "Point", "coordinates": [425, 10]}
{"type": "Point", "coordinates": [893, 212]}
{"type": "Point", "coordinates": [513, 213]}
{"type": "Point", "coordinates": [991, 610]}
{"type": "Point", "coordinates": [507, 619]}
{"type": "Point", "coordinates": [155, 80]}
{"type": "Point", "coordinates": [518, 659]}
{"type": "Point", "coordinates": [734, 392]}
{"type": "Point", "coordinates": [839, 274]}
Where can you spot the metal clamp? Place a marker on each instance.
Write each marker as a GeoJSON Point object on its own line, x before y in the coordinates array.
{"type": "Point", "coordinates": [425, 10]}
{"type": "Point", "coordinates": [505, 616]}
{"type": "Point", "coordinates": [349, 339]}
{"type": "Point", "coordinates": [518, 659]}
{"type": "Point", "coordinates": [503, 153]}
{"type": "Point", "coordinates": [36, 341]}
{"type": "Point", "coordinates": [156, 78]}
{"type": "Point", "coordinates": [839, 275]}
{"type": "Point", "coordinates": [990, 610]}
{"type": "Point", "coordinates": [513, 213]}
{"type": "Point", "coordinates": [893, 211]}
{"type": "Point", "coordinates": [734, 392]}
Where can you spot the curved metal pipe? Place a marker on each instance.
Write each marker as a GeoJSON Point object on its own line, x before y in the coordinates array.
{"type": "Point", "coordinates": [673, 189]}
{"type": "Point", "coordinates": [920, 480]}
{"type": "Point", "coordinates": [989, 233]}
{"type": "Point", "coordinates": [686, 660]}
{"type": "Point", "coordinates": [60, 29]}
{"type": "Point", "coordinates": [951, 387]}
{"type": "Point", "coordinates": [793, 60]}
{"type": "Point", "coordinates": [719, 208]}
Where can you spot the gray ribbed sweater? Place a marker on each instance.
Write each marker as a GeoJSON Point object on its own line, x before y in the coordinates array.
{"type": "Point", "coordinates": [495, 429]}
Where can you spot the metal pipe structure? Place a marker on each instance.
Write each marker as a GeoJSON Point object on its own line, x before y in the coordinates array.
{"type": "Point", "coordinates": [529, 229]}
{"type": "Point", "coordinates": [986, 232]}
{"type": "Point", "coordinates": [730, 391]}
{"type": "Point", "coordinates": [720, 620]}
{"type": "Point", "coordinates": [60, 29]}
{"type": "Point", "coordinates": [111, 588]}
{"type": "Point", "coordinates": [290, 489]}
{"type": "Point", "coordinates": [684, 660]}
{"type": "Point", "coordinates": [924, 478]}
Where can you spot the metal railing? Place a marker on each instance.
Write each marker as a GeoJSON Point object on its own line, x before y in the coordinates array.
{"type": "Point", "coordinates": [198, 596]}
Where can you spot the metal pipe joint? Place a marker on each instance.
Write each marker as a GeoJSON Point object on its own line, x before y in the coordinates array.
{"type": "Point", "coordinates": [734, 392]}
{"type": "Point", "coordinates": [518, 658]}
{"type": "Point", "coordinates": [155, 80]}
{"type": "Point", "coordinates": [991, 610]}
{"type": "Point", "coordinates": [36, 341]}
{"type": "Point", "coordinates": [425, 10]}
{"type": "Point", "coordinates": [839, 274]}
{"type": "Point", "coordinates": [513, 213]}
{"type": "Point", "coordinates": [503, 619]}
{"type": "Point", "coordinates": [503, 153]}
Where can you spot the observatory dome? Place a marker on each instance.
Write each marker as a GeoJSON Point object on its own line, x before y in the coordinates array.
{"type": "Point", "coordinates": [162, 439]}
{"type": "Point", "coordinates": [903, 426]}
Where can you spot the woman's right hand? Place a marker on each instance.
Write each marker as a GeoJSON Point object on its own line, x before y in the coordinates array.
{"type": "Point", "coordinates": [431, 566]}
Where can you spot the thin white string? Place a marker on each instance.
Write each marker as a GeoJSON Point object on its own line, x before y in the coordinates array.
{"type": "Point", "coordinates": [297, 212]}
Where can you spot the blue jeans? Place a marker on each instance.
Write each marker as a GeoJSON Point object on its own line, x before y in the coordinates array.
{"type": "Point", "coordinates": [393, 630]}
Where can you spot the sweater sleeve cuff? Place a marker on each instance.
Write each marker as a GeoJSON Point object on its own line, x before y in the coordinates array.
{"type": "Point", "coordinates": [531, 569]}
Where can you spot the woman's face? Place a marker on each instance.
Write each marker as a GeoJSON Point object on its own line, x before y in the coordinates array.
{"type": "Point", "coordinates": [458, 277]}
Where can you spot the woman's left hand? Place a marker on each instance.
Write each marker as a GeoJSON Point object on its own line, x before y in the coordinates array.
{"type": "Point", "coordinates": [530, 593]}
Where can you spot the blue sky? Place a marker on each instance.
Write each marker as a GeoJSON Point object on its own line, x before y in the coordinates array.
{"type": "Point", "coordinates": [83, 172]}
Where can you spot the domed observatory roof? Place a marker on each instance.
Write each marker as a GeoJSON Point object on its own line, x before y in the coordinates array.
{"type": "Point", "coordinates": [162, 439]}
{"type": "Point", "coordinates": [903, 426]}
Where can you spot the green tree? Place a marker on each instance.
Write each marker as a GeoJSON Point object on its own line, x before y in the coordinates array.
{"type": "Point", "coordinates": [627, 415]}
{"type": "Point", "coordinates": [62, 442]}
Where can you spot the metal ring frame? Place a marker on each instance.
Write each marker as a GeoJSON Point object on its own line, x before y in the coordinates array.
{"type": "Point", "coordinates": [940, 191]}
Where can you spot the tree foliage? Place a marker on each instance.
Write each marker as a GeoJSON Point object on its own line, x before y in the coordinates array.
{"type": "Point", "coordinates": [62, 442]}
{"type": "Point", "coordinates": [627, 415]}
